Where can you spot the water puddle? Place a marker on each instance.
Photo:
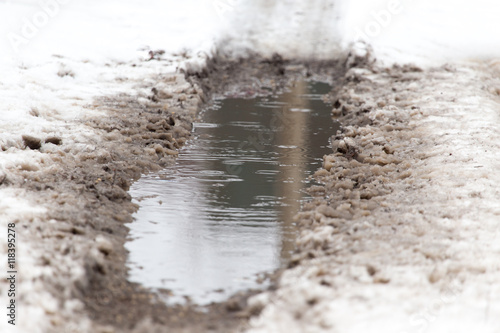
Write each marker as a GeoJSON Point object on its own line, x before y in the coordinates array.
{"type": "Point", "coordinates": [218, 219]}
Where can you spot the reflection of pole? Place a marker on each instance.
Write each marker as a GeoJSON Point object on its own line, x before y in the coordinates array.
{"type": "Point", "coordinates": [292, 162]}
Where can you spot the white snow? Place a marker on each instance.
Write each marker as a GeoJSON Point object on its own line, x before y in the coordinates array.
{"type": "Point", "coordinates": [57, 55]}
{"type": "Point", "coordinates": [427, 31]}
{"type": "Point", "coordinates": [293, 28]}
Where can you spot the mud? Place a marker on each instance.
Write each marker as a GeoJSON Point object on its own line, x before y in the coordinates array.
{"type": "Point", "coordinates": [83, 185]}
{"type": "Point", "coordinates": [86, 193]}
{"type": "Point", "coordinates": [144, 135]}
{"type": "Point", "coordinates": [347, 230]}
{"type": "Point", "coordinates": [237, 210]}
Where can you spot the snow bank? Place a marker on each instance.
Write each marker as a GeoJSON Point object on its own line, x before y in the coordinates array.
{"type": "Point", "coordinates": [57, 57]}
{"type": "Point", "coordinates": [406, 237]}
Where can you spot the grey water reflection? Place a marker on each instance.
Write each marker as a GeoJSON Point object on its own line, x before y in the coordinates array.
{"type": "Point", "coordinates": [220, 216]}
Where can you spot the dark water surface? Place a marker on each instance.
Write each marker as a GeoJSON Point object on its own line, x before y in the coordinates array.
{"type": "Point", "coordinates": [222, 215]}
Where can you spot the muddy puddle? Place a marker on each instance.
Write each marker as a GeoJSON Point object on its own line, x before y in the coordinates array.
{"type": "Point", "coordinates": [222, 216]}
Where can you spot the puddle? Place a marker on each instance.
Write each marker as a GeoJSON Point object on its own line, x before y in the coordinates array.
{"type": "Point", "coordinates": [218, 219]}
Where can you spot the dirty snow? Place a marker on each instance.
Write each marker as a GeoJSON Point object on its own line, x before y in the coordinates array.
{"type": "Point", "coordinates": [408, 237]}
{"type": "Point", "coordinates": [81, 50]}
{"type": "Point", "coordinates": [437, 270]}
{"type": "Point", "coordinates": [57, 56]}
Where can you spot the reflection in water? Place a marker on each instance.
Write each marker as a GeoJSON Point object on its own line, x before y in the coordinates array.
{"type": "Point", "coordinates": [223, 213]}
{"type": "Point", "coordinates": [293, 162]}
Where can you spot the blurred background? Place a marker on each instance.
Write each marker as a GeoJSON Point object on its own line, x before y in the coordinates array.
{"type": "Point", "coordinates": [399, 30]}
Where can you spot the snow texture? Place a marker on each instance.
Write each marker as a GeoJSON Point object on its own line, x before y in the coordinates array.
{"type": "Point", "coordinates": [407, 236]}
{"type": "Point", "coordinates": [58, 55]}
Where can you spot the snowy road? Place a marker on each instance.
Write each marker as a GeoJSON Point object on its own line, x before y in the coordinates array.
{"type": "Point", "coordinates": [59, 57]}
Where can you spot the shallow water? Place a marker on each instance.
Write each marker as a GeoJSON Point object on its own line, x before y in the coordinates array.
{"type": "Point", "coordinates": [222, 215]}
